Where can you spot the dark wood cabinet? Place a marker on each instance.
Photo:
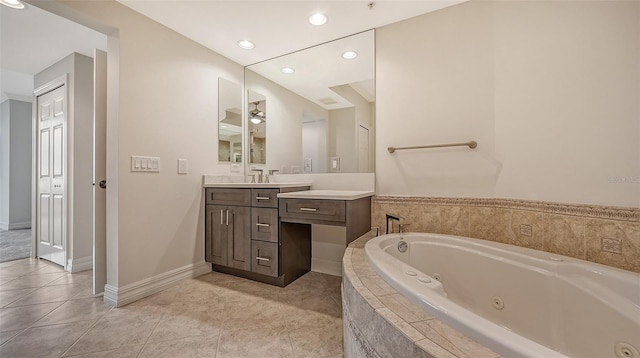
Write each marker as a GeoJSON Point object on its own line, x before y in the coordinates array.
{"type": "Point", "coordinates": [228, 240]}
{"type": "Point", "coordinates": [251, 233]}
{"type": "Point", "coordinates": [243, 236]}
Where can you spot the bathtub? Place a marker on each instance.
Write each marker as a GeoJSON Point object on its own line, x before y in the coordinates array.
{"type": "Point", "coordinates": [516, 301]}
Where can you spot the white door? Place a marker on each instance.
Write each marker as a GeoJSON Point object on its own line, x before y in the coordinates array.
{"type": "Point", "coordinates": [51, 168]}
{"type": "Point", "coordinates": [99, 171]}
{"type": "Point", "coordinates": [363, 149]}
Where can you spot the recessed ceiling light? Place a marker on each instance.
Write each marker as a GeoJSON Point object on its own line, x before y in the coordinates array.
{"type": "Point", "coordinates": [287, 70]}
{"type": "Point", "coordinates": [350, 55]}
{"type": "Point", "coordinates": [14, 4]}
{"type": "Point", "coordinates": [223, 126]}
{"type": "Point", "coordinates": [246, 44]}
{"type": "Point", "coordinates": [318, 19]}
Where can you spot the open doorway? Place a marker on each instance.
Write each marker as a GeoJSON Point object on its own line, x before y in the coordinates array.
{"type": "Point", "coordinates": [39, 48]}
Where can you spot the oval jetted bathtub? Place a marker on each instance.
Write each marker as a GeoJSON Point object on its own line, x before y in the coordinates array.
{"type": "Point", "coordinates": [517, 301]}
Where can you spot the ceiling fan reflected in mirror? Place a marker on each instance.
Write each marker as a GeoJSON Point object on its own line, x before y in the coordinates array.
{"type": "Point", "coordinates": [256, 116]}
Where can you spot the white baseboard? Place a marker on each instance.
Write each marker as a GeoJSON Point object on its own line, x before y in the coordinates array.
{"type": "Point", "coordinates": [120, 296]}
{"type": "Point", "coordinates": [325, 266]}
{"type": "Point", "coordinates": [15, 226]}
{"type": "Point", "coordinates": [80, 264]}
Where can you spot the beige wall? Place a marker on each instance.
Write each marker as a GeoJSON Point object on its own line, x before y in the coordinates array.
{"type": "Point", "coordinates": [284, 121]}
{"type": "Point", "coordinates": [165, 105]}
{"type": "Point", "coordinates": [550, 91]}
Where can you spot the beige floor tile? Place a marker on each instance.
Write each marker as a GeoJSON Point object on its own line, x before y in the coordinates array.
{"type": "Point", "coordinates": [6, 297]}
{"type": "Point", "coordinates": [191, 347]}
{"type": "Point", "coordinates": [252, 313]}
{"type": "Point", "coordinates": [4, 280]}
{"type": "Point", "coordinates": [22, 317]}
{"type": "Point", "coordinates": [307, 308]}
{"type": "Point", "coordinates": [16, 271]}
{"type": "Point", "coordinates": [115, 332]}
{"type": "Point", "coordinates": [47, 269]}
{"type": "Point", "coordinates": [75, 311]}
{"type": "Point", "coordinates": [188, 322]}
{"type": "Point", "coordinates": [321, 339]}
{"type": "Point", "coordinates": [29, 281]}
{"type": "Point", "coordinates": [47, 294]}
{"type": "Point", "coordinates": [86, 291]}
{"type": "Point", "coordinates": [5, 336]}
{"type": "Point", "coordinates": [123, 352]}
{"type": "Point", "coordinates": [50, 341]}
{"type": "Point", "coordinates": [85, 277]}
{"type": "Point", "coordinates": [255, 342]}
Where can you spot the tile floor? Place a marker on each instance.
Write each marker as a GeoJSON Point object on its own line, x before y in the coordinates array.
{"type": "Point", "coordinates": [45, 312]}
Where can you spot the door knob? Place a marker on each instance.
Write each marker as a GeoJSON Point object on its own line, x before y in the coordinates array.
{"type": "Point", "coordinates": [102, 184]}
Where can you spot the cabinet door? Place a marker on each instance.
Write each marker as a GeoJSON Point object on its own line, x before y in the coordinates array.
{"type": "Point", "coordinates": [239, 236]}
{"type": "Point", "coordinates": [216, 237]}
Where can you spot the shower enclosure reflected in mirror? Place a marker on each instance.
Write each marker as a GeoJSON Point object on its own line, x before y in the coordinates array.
{"type": "Point", "coordinates": [257, 124]}
{"type": "Point", "coordinates": [229, 121]}
{"type": "Point", "coordinates": [321, 115]}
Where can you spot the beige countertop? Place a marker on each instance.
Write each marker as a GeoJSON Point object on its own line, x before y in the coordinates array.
{"type": "Point", "coordinates": [326, 194]}
{"type": "Point", "coordinates": [254, 185]}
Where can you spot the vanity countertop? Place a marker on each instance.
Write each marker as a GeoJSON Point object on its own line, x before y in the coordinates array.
{"type": "Point", "coordinates": [254, 185]}
{"type": "Point", "coordinates": [327, 194]}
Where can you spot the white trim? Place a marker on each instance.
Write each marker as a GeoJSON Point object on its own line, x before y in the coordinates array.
{"type": "Point", "coordinates": [120, 296]}
{"type": "Point", "coordinates": [325, 266]}
{"type": "Point", "coordinates": [80, 264]}
{"type": "Point", "coordinates": [15, 226]}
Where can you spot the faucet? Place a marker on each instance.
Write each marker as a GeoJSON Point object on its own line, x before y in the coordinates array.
{"type": "Point", "coordinates": [391, 217]}
{"type": "Point", "coordinates": [260, 171]}
{"type": "Point", "coordinates": [271, 172]}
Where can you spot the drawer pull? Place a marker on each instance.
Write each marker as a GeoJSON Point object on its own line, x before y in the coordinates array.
{"type": "Point", "coordinates": [263, 225]}
{"type": "Point", "coordinates": [262, 258]}
{"type": "Point", "coordinates": [263, 198]}
{"type": "Point", "coordinates": [308, 209]}
{"type": "Point", "coordinates": [221, 217]}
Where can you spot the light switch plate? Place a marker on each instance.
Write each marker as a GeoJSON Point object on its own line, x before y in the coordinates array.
{"type": "Point", "coordinates": [145, 164]}
{"type": "Point", "coordinates": [236, 168]}
{"type": "Point", "coordinates": [182, 166]}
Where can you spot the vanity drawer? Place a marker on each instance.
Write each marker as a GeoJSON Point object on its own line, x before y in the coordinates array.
{"type": "Point", "coordinates": [264, 258]}
{"type": "Point", "coordinates": [264, 224]}
{"type": "Point", "coordinates": [313, 209]}
{"type": "Point", "coordinates": [228, 196]}
{"type": "Point", "coordinates": [266, 198]}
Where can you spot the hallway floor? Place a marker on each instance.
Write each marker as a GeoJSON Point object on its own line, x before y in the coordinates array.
{"type": "Point", "coordinates": [46, 312]}
{"type": "Point", "coordinates": [15, 244]}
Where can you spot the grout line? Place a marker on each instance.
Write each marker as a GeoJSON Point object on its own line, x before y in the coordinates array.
{"type": "Point", "coordinates": [219, 339]}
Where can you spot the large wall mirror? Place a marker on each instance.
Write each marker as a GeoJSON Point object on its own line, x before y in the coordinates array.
{"type": "Point", "coordinates": [229, 121]}
{"type": "Point", "coordinates": [321, 108]}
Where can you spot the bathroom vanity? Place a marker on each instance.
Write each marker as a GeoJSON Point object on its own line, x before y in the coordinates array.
{"type": "Point", "coordinates": [262, 231]}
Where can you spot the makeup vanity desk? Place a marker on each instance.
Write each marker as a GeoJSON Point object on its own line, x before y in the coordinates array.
{"type": "Point", "coordinates": [263, 231]}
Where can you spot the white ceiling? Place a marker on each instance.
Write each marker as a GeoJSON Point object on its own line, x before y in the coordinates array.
{"type": "Point", "coordinates": [320, 68]}
{"type": "Point", "coordinates": [32, 40]}
{"type": "Point", "coordinates": [276, 27]}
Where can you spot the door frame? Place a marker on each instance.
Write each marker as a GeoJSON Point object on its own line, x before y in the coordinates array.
{"type": "Point", "coordinates": [50, 86]}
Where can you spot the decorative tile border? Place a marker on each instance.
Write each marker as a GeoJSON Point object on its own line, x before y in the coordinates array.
{"type": "Point", "coordinates": [589, 211]}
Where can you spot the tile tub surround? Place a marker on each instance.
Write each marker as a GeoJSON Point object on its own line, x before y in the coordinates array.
{"type": "Point", "coordinates": [380, 322]}
{"type": "Point", "coordinates": [600, 234]}
{"type": "Point", "coordinates": [46, 312]}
